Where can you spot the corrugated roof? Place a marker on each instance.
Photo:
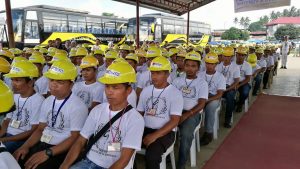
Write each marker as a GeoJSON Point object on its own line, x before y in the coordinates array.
{"type": "Point", "coordinates": [177, 7]}
{"type": "Point", "coordinates": [285, 20]}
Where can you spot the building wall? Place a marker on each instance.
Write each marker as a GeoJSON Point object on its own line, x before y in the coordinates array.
{"type": "Point", "coordinates": [272, 29]}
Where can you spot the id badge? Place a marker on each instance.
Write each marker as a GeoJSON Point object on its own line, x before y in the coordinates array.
{"type": "Point", "coordinates": [151, 112]}
{"type": "Point", "coordinates": [114, 147]}
{"type": "Point", "coordinates": [186, 90]}
{"type": "Point", "coordinates": [15, 124]}
{"type": "Point", "coordinates": [46, 138]}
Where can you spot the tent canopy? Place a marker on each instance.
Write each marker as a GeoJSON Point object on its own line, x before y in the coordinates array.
{"type": "Point", "coordinates": [176, 7]}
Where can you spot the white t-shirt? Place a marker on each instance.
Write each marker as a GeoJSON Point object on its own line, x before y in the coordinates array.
{"type": "Point", "coordinates": [42, 85]}
{"type": "Point", "coordinates": [230, 72]}
{"type": "Point", "coordinates": [131, 99]}
{"type": "Point", "coordinates": [215, 82]}
{"type": "Point", "coordinates": [245, 70]}
{"type": "Point", "coordinates": [89, 93]}
{"type": "Point", "coordinates": [270, 61]}
{"type": "Point", "coordinates": [7, 161]}
{"type": "Point", "coordinates": [7, 81]}
{"type": "Point", "coordinates": [285, 47]}
{"type": "Point", "coordinates": [257, 67]}
{"type": "Point", "coordinates": [70, 118]}
{"type": "Point", "coordinates": [29, 111]}
{"type": "Point", "coordinates": [45, 68]}
{"type": "Point", "coordinates": [192, 90]}
{"type": "Point", "coordinates": [142, 68]}
{"type": "Point", "coordinates": [166, 102]}
{"type": "Point", "coordinates": [79, 77]}
{"type": "Point", "coordinates": [276, 56]}
{"type": "Point", "coordinates": [101, 73]}
{"type": "Point", "coordinates": [145, 79]}
{"type": "Point", "coordinates": [262, 63]}
{"type": "Point", "coordinates": [130, 133]}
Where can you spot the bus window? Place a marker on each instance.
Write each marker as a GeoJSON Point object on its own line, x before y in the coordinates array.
{"type": "Point", "coordinates": [109, 26]}
{"type": "Point", "coordinates": [54, 22]}
{"type": "Point", "coordinates": [31, 33]}
{"type": "Point", "coordinates": [77, 23]}
{"type": "Point", "coordinates": [158, 32]}
{"type": "Point", "coordinates": [31, 15]}
{"type": "Point", "coordinates": [94, 25]}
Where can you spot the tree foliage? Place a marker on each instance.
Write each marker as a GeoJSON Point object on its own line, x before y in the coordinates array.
{"type": "Point", "coordinates": [256, 26]}
{"type": "Point", "coordinates": [235, 34]}
{"type": "Point", "coordinates": [290, 30]}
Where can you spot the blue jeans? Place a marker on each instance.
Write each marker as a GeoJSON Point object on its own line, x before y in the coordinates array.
{"type": "Point", "coordinates": [12, 146]}
{"type": "Point", "coordinates": [257, 83]}
{"type": "Point", "coordinates": [230, 104]}
{"type": "Point", "coordinates": [86, 164]}
{"type": "Point", "coordinates": [186, 129]}
{"type": "Point", "coordinates": [244, 93]}
{"type": "Point", "coordinates": [210, 110]}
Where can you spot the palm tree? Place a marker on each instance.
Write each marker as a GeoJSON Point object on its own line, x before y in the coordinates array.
{"type": "Point", "coordinates": [236, 21]}
{"type": "Point", "coordinates": [242, 21]}
{"type": "Point", "coordinates": [246, 22]}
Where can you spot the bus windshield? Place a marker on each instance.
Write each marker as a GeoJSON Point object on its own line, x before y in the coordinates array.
{"type": "Point", "coordinates": [145, 28]}
{"type": "Point", "coordinates": [17, 19]}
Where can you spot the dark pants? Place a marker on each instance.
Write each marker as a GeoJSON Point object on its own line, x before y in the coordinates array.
{"type": "Point", "coordinates": [155, 150]}
{"type": "Point", "coordinates": [257, 83]}
{"type": "Point", "coordinates": [230, 104]}
{"type": "Point", "coordinates": [266, 78]}
{"type": "Point", "coordinates": [244, 93]}
{"type": "Point", "coordinates": [52, 163]}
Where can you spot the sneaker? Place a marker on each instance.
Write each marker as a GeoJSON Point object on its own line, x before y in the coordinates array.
{"type": "Point", "coordinates": [206, 139]}
{"type": "Point", "coordinates": [281, 67]}
{"type": "Point", "coordinates": [227, 125]}
{"type": "Point", "coordinates": [284, 67]}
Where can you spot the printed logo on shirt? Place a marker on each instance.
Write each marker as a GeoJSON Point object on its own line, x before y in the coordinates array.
{"type": "Point", "coordinates": [191, 92]}
{"type": "Point", "coordinates": [159, 104]}
{"type": "Point", "coordinates": [60, 121]}
{"type": "Point", "coordinates": [24, 121]}
{"type": "Point", "coordinates": [85, 97]}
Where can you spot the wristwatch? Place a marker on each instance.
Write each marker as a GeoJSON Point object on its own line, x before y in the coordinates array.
{"type": "Point", "coordinates": [49, 152]}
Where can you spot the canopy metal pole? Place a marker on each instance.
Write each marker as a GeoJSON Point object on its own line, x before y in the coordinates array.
{"type": "Point", "coordinates": [188, 26]}
{"type": "Point", "coordinates": [137, 39]}
{"type": "Point", "coordinates": [9, 24]}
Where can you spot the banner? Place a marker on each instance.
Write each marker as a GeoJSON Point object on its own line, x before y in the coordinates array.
{"type": "Point", "coordinates": [250, 5]}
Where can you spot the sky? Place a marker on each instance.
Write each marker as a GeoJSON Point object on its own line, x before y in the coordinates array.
{"type": "Point", "coordinates": [219, 14]}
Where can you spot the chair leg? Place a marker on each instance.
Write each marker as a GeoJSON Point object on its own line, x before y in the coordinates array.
{"type": "Point", "coordinates": [198, 141]}
{"type": "Point", "coordinates": [163, 164]}
{"type": "Point", "coordinates": [193, 153]}
{"type": "Point", "coordinates": [215, 134]}
{"type": "Point", "coordinates": [246, 105]}
{"type": "Point", "coordinates": [172, 160]}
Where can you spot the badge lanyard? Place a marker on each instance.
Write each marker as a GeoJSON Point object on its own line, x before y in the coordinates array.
{"type": "Point", "coordinates": [54, 117]}
{"type": "Point", "coordinates": [209, 83]}
{"type": "Point", "coordinates": [154, 103]}
{"type": "Point", "coordinates": [20, 111]}
{"type": "Point", "coordinates": [225, 72]}
{"type": "Point", "coordinates": [112, 134]}
{"type": "Point", "coordinates": [188, 85]}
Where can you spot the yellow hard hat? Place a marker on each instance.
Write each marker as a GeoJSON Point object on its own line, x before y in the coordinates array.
{"type": "Point", "coordinates": [173, 51]}
{"type": "Point", "coordinates": [228, 51]}
{"type": "Point", "coordinates": [4, 66]}
{"type": "Point", "coordinates": [72, 52]}
{"type": "Point", "coordinates": [59, 55]}
{"type": "Point", "coordinates": [259, 50]}
{"type": "Point", "coordinates": [242, 50]}
{"type": "Point", "coordinates": [8, 54]}
{"type": "Point", "coordinates": [62, 70]}
{"type": "Point", "coordinates": [89, 61]}
{"type": "Point", "coordinates": [252, 59]}
{"type": "Point", "coordinates": [268, 48]}
{"type": "Point", "coordinates": [211, 58]}
{"type": "Point", "coordinates": [98, 52]}
{"type": "Point", "coordinates": [112, 54]}
{"type": "Point", "coordinates": [132, 56]}
{"type": "Point", "coordinates": [219, 50]}
{"type": "Point", "coordinates": [160, 64]}
{"type": "Point", "coordinates": [193, 56]}
{"type": "Point", "coordinates": [23, 69]}
{"type": "Point", "coordinates": [120, 60]}
{"type": "Point", "coordinates": [124, 47]}
{"type": "Point", "coordinates": [164, 52]}
{"type": "Point", "coordinates": [85, 45]}
{"type": "Point", "coordinates": [37, 47]}
{"type": "Point", "coordinates": [181, 53]}
{"type": "Point", "coordinates": [43, 51]}
{"type": "Point", "coordinates": [6, 98]}
{"type": "Point", "coordinates": [29, 50]}
{"type": "Point", "coordinates": [37, 57]}
{"type": "Point", "coordinates": [141, 53]}
{"type": "Point", "coordinates": [18, 59]}
{"type": "Point", "coordinates": [15, 51]}
{"type": "Point", "coordinates": [81, 51]}
{"type": "Point", "coordinates": [198, 49]}
{"type": "Point", "coordinates": [118, 72]}
{"type": "Point", "coordinates": [153, 52]}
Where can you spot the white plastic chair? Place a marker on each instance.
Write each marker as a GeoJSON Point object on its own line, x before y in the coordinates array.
{"type": "Point", "coordinates": [169, 151]}
{"type": "Point", "coordinates": [195, 143]}
{"type": "Point", "coordinates": [131, 162]}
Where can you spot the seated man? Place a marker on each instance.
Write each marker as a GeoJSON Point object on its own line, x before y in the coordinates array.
{"type": "Point", "coordinates": [245, 76]}
{"type": "Point", "coordinates": [216, 87]}
{"type": "Point", "coordinates": [7, 161]}
{"type": "Point", "coordinates": [62, 116]}
{"type": "Point", "coordinates": [231, 72]}
{"type": "Point", "coordinates": [117, 146]}
{"type": "Point", "coordinates": [195, 94]}
{"type": "Point", "coordinates": [161, 104]}
{"type": "Point", "coordinates": [263, 64]}
{"type": "Point", "coordinates": [20, 124]}
{"type": "Point", "coordinates": [270, 65]}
